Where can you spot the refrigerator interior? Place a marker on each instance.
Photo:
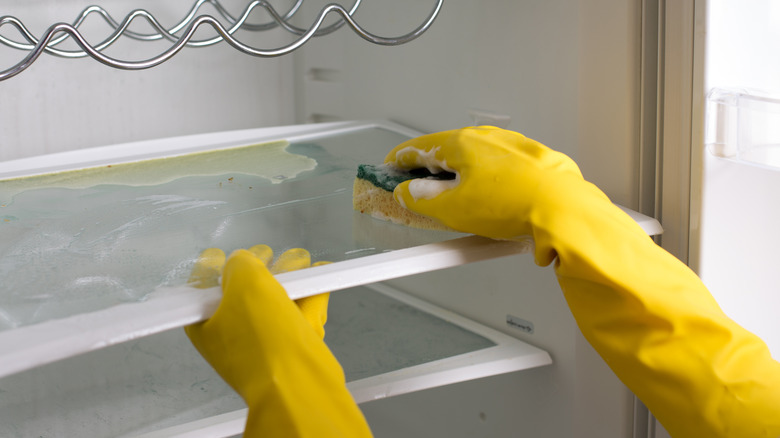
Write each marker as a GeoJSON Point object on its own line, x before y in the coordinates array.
{"type": "Point", "coordinates": [740, 172]}
{"type": "Point", "coordinates": [95, 258]}
{"type": "Point", "coordinates": [563, 72]}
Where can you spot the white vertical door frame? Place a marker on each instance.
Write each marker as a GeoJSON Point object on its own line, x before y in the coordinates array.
{"type": "Point", "coordinates": [680, 124]}
{"type": "Point", "coordinates": [679, 133]}
{"type": "Point", "coordinates": [649, 89]}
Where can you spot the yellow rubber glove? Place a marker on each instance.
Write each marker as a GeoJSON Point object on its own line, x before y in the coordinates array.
{"type": "Point", "coordinates": [270, 349]}
{"type": "Point", "coordinates": [646, 313]}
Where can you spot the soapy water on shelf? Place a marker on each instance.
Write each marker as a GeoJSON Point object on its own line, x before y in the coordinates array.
{"type": "Point", "coordinates": [65, 251]}
{"type": "Point", "coordinates": [272, 161]}
{"type": "Point", "coordinates": [68, 251]}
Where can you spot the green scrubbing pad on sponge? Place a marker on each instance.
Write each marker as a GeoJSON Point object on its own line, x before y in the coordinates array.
{"type": "Point", "coordinates": [387, 177]}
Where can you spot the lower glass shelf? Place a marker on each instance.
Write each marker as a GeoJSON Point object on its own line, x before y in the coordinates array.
{"type": "Point", "coordinates": [388, 343]}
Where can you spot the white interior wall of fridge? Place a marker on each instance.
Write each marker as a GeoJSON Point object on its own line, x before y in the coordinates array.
{"type": "Point", "coordinates": [61, 104]}
{"type": "Point", "coordinates": [564, 72]}
{"type": "Point", "coordinates": [740, 212]}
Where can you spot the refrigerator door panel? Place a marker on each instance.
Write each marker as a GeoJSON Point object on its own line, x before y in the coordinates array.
{"type": "Point", "coordinates": [732, 214]}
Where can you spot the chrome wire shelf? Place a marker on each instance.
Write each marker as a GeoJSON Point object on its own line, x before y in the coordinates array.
{"type": "Point", "coordinates": [181, 35]}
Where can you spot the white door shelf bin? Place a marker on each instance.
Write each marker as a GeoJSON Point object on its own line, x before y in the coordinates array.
{"type": "Point", "coordinates": [744, 126]}
{"type": "Point", "coordinates": [95, 254]}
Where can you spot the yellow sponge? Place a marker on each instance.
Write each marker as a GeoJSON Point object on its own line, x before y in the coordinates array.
{"type": "Point", "coordinates": [372, 194]}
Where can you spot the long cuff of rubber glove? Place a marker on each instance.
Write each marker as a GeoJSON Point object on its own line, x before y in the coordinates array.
{"type": "Point", "coordinates": [653, 321]}
{"type": "Point", "coordinates": [291, 382]}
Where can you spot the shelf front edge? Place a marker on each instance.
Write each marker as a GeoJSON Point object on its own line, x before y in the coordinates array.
{"type": "Point", "coordinates": [35, 345]}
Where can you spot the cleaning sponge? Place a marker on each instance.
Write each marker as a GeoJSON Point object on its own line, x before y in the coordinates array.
{"type": "Point", "coordinates": [373, 194]}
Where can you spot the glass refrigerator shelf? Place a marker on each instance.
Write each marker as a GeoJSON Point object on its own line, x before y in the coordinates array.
{"type": "Point", "coordinates": [90, 265]}
{"type": "Point", "coordinates": [388, 343]}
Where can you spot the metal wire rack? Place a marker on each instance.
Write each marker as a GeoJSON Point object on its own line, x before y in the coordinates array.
{"type": "Point", "coordinates": [181, 35]}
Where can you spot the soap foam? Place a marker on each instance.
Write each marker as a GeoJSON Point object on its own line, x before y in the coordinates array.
{"type": "Point", "coordinates": [426, 159]}
{"type": "Point", "coordinates": [429, 188]}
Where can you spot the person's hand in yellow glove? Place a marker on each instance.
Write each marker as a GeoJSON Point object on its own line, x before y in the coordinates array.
{"type": "Point", "coordinates": [269, 348]}
{"type": "Point", "coordinates": [498, 181]}
{"type": "Point", "coordinates": [650, 317]}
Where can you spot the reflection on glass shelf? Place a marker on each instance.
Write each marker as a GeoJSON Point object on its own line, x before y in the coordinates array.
{"type": "Point", "coordinates": [372, 333]}
{"type": "Point", "coordinates": [65, 251]}
{"type": "Point", "coordinates": [381, 337]}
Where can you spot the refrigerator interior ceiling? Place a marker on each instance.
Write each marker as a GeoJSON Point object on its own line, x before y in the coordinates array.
{"type": "Point", "coordinates": [182, 34]}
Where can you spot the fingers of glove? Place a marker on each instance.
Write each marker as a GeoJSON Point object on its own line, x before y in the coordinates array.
{"type": "Point", "coordinates": [246, 274]}
{"type": "Point", "coordinates": [485, 147]}
{"type": "Point", "coordinates": [426, 197]}
{"type": "Point", "coordinates": [421, 152]}
{"type": "Point", "coordinates": [247, 284]}
{"type": "Point", "coordinates": [452, 150]}
{"type": "Point", "coordinates": [255, 320]}
{"type": "Point", "coordinates": [315, 309]}
{"type": "Point", "coordinates": [250, 295]}
{"type": "Point", "coordinates": [291, 260]}
{"type": "Point", "coordinates": [264, 253]}
{"type": "Point", "coordinates": [208, 268]}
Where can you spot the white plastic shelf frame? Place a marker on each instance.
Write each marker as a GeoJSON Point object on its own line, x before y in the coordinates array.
{"type": "Point", "coordinates": [96, 247]}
